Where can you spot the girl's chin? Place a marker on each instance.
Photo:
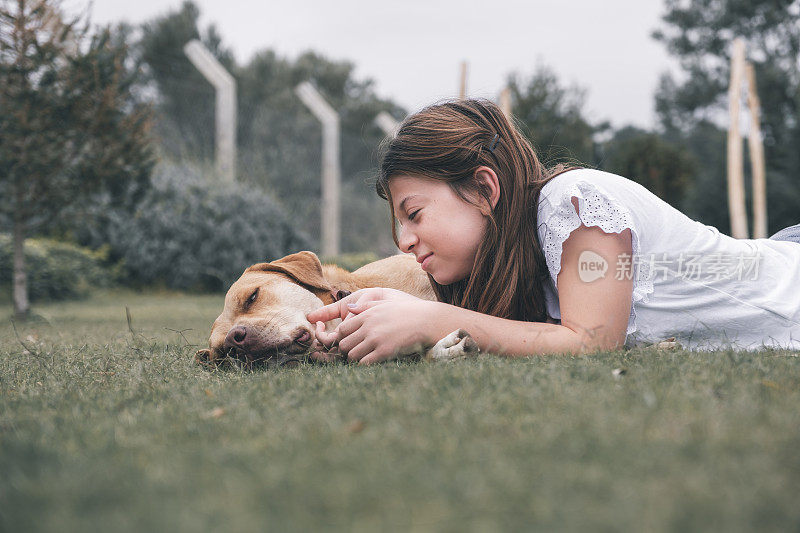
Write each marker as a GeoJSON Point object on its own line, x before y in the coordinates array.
{"type": "Point", "coordinates": [445, 279]}
{"type": "Point", "coordinates": [439, 279]}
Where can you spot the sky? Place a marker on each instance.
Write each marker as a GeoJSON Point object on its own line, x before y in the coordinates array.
{"type": "Point", "coordinates": [413, 49]}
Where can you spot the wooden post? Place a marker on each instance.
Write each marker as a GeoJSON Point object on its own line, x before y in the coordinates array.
{"type": "Point", "coordinates": [505, 102]}
{"type": "Point", "coordinates": [462, 86]}
{"type": "Point", "coordinates": [736, 205]}
{"type": "Point", "coordinates": [331, 173]}
{"type": "Point", "coordinates": [387, 123]}
{"type": "Point", "coordinates": [756, 157]}
{"type": "Point", "coordinates": [225, 87]}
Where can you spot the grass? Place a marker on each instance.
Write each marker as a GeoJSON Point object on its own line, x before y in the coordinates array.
{"type": "Point", "coordinates": [103, 430]}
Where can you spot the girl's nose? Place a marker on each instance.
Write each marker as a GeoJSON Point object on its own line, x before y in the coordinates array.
{"type": "Point", "coordinates": [406, 239]}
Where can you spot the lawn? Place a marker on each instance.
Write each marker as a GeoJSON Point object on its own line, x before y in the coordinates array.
{"type": "Point", "coordinates": [102, 429]}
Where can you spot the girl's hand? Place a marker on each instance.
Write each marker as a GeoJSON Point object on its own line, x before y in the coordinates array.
{"type": "Point", "coordinates": [377, 324]}
{"type": "Point", "coordinates": [342, 310]}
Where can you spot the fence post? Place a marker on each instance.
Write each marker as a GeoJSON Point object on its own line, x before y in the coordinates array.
{"type": "Point", "coordinates": [331, 174]}
{"type": "Point", "coordinates": [462, 85]}
{"type": "Point", "coordinates": [736, 205]}
{"type": "Point", "coordinates": [757, 157]}
{"type": "Point", "coordinates": [505, 102]}
{"type": "Point", "coordinates": [387, 123]}
{"type": "Point", "coordinates": [225, 112]}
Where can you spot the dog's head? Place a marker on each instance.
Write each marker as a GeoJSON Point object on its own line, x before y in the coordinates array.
{"type": "Point", "coordinates": [264, 318]}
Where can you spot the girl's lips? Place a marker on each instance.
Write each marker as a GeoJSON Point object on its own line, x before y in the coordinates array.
{"type": "Point", "coordinates": [426, 261]}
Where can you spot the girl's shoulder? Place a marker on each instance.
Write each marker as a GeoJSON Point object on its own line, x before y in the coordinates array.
{"type": "Point", "coordinates": [583, 197]}
{"type": "Point", "coordinates": [586, 178]}
{"type": "Point", "coordinates": [610, 202]}
{"type": "Point", "coordinates": [598, 192]}
{"type": "Point", "coordinates": [604, 195]}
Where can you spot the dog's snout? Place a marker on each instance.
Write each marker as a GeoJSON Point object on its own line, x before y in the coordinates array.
{"type": "Point", "coordinates": [236, 337]}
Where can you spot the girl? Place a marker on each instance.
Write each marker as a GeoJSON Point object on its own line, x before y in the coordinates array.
{"type": "Point", "coordinates": [532, 260]}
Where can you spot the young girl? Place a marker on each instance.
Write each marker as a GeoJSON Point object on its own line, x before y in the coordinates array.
{"type": "Point", "coordinates": [531, 260]}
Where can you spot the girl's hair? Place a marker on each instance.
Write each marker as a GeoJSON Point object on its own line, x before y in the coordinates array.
{"type": "Point", "coordinates": [448, 142]}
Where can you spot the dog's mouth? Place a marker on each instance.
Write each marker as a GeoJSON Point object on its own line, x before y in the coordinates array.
{"type": "Point", "coordinates": [236, 359]}
{"type": "Point", "coordinates": [288, 356]}
{"type": "Point", "coordinates": [304, 349]}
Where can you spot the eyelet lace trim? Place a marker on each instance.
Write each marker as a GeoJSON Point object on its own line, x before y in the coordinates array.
{"type": "Point", "coordinates": [597, 208]}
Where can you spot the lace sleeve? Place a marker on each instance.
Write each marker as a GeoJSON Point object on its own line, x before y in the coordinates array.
{"type": "Point", "coordinates": [558, 219]}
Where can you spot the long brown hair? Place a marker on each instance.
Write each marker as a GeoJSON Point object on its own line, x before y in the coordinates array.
{"type": "Point", "coordinates": [448, 142]}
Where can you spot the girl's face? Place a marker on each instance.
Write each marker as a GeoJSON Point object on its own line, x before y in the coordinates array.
{"type": "Point", "coordinates": [439, 228]}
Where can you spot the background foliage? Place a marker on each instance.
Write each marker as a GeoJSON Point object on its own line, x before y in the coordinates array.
{"type": "Point", "coordinates": [190, 231]}
{"type": "Point", "coordinates": [70, 124]}
{"type": "Point", "coordinates": [681, 159]}
{"type": "Point", "coordinates": [70, 127]}
{"type": "Point", "coordinates": [57, 270]}
{"type": "Point", "coordinates": [279, 140]}
{"type": "Point", "coordinates": [692, 109]}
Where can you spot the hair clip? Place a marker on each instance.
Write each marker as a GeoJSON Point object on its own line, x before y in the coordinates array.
{"type": "Point", "coordinates": [493, 144]}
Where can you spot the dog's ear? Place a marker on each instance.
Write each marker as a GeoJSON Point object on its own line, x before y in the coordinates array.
{"type": "Point", "coordinates": [304, 267]}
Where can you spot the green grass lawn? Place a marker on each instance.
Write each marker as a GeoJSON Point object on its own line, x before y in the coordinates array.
{"type": "Point", "coordinates": [101, 430]}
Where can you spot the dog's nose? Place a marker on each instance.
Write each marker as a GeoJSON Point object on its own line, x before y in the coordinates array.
{"type": "Point", "coordinates": [236, 337]}
{"type": "Point", "coordinates": [301, 336]}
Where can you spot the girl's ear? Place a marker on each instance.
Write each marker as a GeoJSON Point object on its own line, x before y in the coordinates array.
{"type": "Point", "coordinates": [487, 178]}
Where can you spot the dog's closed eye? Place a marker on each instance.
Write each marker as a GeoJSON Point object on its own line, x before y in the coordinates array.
{"type": "Point", "coordinates": [251, 299]}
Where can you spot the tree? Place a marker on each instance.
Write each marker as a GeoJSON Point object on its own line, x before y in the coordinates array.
{"type": "Point", "coordinates": [648, 159]}
{"type": "Point", "coordinates": [699, 34]}
{"type": "Point", "coordinates": [279, 140]}
{"type": "Point", "coordinates": [185, 98]}
{"type": "Point", "coordinates": [553, 117]}
{"type": "Point", "coordinates": [70, 128]}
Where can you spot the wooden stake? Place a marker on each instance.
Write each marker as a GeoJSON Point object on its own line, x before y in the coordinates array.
{"type": "Point", "coordinates": [505, 102]}
{"type": "Point", "coordinates": [462, 89]}
{"type": "Point", "coordinates": [387, 123]}
{"type": "Point", "coordinates": [756, 157]}
{"type": "Point", "coordinates": [736, 205]}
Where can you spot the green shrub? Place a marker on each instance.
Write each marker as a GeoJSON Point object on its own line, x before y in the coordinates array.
{"type": "Point", "coordinates": [56, 270]}
{"type": "Point", "coordinates": [193, 232]}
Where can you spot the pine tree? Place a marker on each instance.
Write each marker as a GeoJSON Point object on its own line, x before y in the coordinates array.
{"type": "Point", "coordinates": [70, 127]}
{"type": "Point", "coordinates": [692, 109]}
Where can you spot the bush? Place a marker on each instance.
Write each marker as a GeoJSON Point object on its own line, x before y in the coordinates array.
{"type": "Point", "coordinates": [56, 270]}
{"type": "Point", "coordinates": [192, 232]}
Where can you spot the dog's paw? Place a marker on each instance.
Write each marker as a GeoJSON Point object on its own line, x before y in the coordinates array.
{"type": "Point", "coordinates": [668, 344]}
{"type": "Point", "coordinates": [319, 353]}
{"type": "Point", "coordinates": [326, 356]}
{"type": "Point", "coordinates": [456, 345]}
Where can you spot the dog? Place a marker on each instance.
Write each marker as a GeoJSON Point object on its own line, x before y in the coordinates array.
{"type": "Point", "coordinates": [263, 321]}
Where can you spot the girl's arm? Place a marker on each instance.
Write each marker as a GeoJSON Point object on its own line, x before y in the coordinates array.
{"type": "Point", "coordinates": [594, 312]}
{"type": "Point", "coordinates": [383, 323]}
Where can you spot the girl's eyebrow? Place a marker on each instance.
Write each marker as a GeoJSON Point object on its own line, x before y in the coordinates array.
{"type": "Point", "coordinates": [406, 199]}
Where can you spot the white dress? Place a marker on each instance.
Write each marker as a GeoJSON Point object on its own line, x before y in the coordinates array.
{"type": "Point", "coordinates": [691, 282]}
